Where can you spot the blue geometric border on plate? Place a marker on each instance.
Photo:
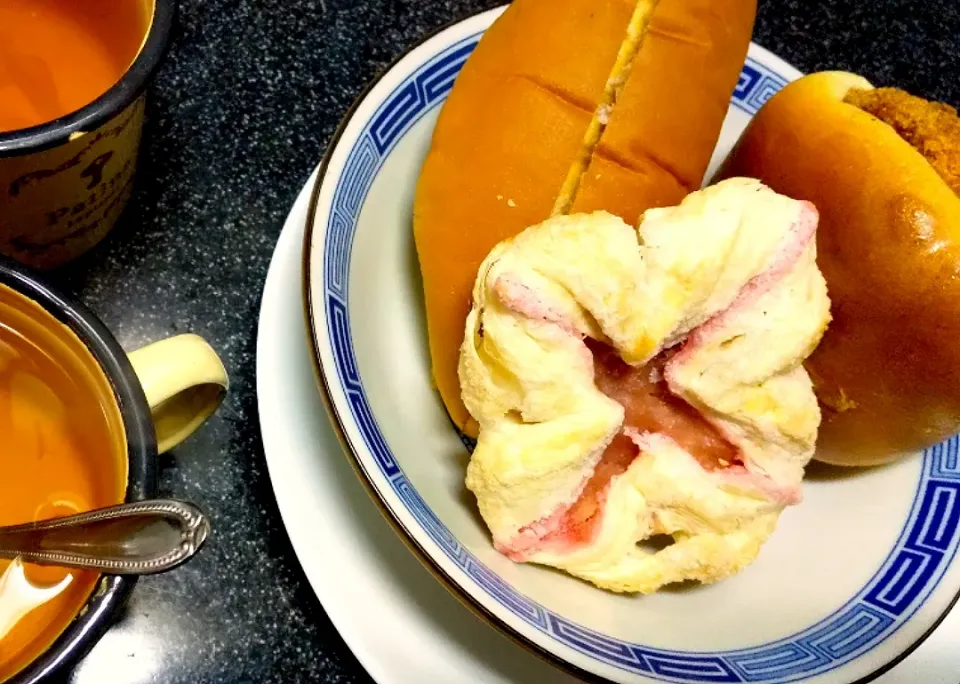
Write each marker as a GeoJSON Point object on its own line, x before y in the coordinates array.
{"type": "Point", "coordinates": [913, 569]}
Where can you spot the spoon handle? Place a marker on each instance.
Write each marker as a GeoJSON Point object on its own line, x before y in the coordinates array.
{"type": "Point", "coordinates": [140, 538]}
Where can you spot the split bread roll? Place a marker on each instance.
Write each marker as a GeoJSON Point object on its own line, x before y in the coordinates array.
{"type": "Point", "coordinates": [883, 169]}
{"type": "Point", "coordinates": [567, 105]}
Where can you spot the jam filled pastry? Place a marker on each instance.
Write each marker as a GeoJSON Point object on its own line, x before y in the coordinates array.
{"type": "Point", "coordinates": [646, 383]}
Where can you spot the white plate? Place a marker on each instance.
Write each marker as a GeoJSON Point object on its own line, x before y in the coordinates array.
{"type": "Point", "coordinates": [852, 580]}
{"type": "Point", "coordinates": [382, 600]}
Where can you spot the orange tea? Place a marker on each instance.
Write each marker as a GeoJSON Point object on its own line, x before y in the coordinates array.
{"type": "Point", "coordinates": [62, 450]}
{"type": "Point", "coordinates": [56, 56]}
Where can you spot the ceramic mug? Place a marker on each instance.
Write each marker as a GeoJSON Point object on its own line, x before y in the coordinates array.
{"type": "Point", "coordinates": [64, 184]}
{"type": "Point", "coordinates": [155, 398]}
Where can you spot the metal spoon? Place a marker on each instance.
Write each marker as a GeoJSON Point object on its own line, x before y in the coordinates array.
{"type": "Point", "coordinates": [140, 538]}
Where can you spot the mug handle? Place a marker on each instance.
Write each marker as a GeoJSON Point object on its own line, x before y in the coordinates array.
{"type": "Point", "coordinates": [184, 381]}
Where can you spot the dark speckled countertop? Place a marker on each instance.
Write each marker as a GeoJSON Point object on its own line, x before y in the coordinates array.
{"type": "Point", "coordinates": [239, 115]}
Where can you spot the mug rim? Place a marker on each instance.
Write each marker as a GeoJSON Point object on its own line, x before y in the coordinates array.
{"type": "Point", "coordinates": [112, 591]}
{"type": "Point", "coordinates": [108, 105]}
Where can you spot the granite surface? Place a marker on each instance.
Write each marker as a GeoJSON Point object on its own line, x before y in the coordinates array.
{"type": "Point", "coordinates": [238, 116]}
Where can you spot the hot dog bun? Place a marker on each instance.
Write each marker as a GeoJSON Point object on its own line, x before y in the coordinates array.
{"type": "Point", "coordinates": [888, 370]}
{"type": "Point", "coordinates": [567, 105]}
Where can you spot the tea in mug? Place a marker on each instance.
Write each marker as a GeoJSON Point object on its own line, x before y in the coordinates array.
{"type": "Point", "coordinates": [62, 451]}
{"type": "Point", "coordinates": [57, 56]}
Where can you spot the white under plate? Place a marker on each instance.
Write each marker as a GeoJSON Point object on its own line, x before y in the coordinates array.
{"type": "Point", "coordinates": [385, 604]}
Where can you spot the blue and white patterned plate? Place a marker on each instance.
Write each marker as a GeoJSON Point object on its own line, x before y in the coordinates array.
{"type": "Point", "coordinates": [852, 581]}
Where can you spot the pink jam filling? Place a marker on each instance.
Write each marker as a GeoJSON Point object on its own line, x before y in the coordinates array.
{"type": "Point", "coordinates": [649, 407]}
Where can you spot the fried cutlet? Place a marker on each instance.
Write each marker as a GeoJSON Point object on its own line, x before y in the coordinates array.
{"type": "Point", "coordinates": [932, 128]}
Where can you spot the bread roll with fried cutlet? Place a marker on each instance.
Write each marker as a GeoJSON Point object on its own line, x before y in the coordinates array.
{"type": "Point", "coordinates": [883, 169]}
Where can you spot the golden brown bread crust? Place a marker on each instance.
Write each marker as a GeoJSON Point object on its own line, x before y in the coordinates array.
{"type": "Point", "coordinates": [516, 119]}
{"type": "Point", "coordinates": [888, 369]}
{"type": "Point", "coordinates": [661, 135]}
{"type": "Point", "coordinates": [501, 150]}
